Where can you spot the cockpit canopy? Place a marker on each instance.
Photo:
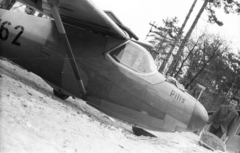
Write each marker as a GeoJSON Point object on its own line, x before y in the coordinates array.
{"type": "Point", "coordinates": [135, 57]}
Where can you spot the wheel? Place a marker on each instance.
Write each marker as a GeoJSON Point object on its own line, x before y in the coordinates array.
{"type": "Point", "coordinates": [60, 95]}
{"type": "Point", "coordinates": [139, 132]}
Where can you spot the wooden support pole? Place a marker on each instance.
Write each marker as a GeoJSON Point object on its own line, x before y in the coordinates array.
{"type": "Point", "coordinates": [64, 37]}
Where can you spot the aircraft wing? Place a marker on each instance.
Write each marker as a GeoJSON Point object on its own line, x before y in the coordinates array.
{"type": "Point", "coordinates": [80, 13]}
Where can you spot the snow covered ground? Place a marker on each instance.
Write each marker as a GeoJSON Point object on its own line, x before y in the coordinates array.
{"type": "Point", "coordinates": [33, 120]}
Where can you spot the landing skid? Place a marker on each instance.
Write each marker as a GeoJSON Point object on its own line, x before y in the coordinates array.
{"type": "Point", "coordinates": [59, 94]}
{"type": "Point", "coordinates": [140, 132]}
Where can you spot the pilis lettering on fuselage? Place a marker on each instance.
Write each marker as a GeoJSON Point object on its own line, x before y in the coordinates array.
{"type": "Point", "coordinates": [177, 96]}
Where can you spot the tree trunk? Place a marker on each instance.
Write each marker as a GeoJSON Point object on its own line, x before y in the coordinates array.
{"type": "Point", "coordinates": [175, 76]}
{"type": "Point", "coordinates": [199, 71]}
{"type": "Point", "coordinates": [196, 75]}
{"type": "Point", "coordinates": [190, 52]}
{"type": "Point", "coordinates": [161, 43]}
{"type": "Point", "coordinates": [163, 65]}
{"type": "Point", "coordinates": [180, 50]}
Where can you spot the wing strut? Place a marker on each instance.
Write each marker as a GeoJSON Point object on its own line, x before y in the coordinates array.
{"type": "Point", "coordinates": [61, 30]}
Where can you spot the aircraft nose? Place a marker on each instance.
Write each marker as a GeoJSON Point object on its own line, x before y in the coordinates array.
{"type": "Point", "coordinates": [199, 117]}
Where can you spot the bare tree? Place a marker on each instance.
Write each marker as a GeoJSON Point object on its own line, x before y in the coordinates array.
{"type": "Point", "coordinates": [211, 50]}
{"type": "Point", "coordinates": [191, 49]}
{"type": "Point", "coordinates": [230, 6]}
{"type": "Point", "coordinates": [179, 35]}
{"type": "Point", "coordinates": [180, 50]}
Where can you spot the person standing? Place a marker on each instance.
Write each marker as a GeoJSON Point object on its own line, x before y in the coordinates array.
{"type": "Point", "coordinates": [224, 118]}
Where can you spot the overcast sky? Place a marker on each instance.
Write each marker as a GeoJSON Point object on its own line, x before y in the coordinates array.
{"type": "Point", "coordinates": [136, 14]}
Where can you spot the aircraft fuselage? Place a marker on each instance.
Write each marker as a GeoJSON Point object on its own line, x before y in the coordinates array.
{"type": "Point", "coordinates": [145, 100]}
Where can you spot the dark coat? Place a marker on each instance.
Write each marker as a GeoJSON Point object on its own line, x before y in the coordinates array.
{"type": "Point", "coordinates": [225, 118]}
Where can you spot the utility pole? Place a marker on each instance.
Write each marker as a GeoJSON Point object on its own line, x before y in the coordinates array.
{"type": "Point", "coordinates": [177, 38]}
{"type": "Point", "coordinates": [180, 50]}
{"type": "Point", "coordinates": [152, 25]}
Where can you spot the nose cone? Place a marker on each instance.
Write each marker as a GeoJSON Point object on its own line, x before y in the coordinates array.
{"type": "Point", "coordinates": [199, 117]}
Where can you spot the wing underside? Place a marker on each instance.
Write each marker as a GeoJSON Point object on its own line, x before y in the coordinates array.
{"type": "Point", "coordinates": [82, 14]}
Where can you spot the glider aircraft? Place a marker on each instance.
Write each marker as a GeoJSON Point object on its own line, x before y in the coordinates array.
{"type": "Point", "coordinates": [84, 52]}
